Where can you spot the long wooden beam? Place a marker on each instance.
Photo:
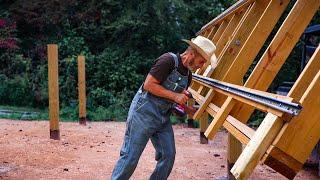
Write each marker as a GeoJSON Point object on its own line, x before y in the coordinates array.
{"type": "Point", "coordinates": [246, 26]}
{"type": "Point", "coordinates": [297, 138]}
{"type": "Point", "coordinates": [229, 12]}
{"type": "Point", "coordinates": [271, 127]}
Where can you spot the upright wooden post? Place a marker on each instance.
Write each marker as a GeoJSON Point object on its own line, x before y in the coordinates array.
{"type": "Point", "coordinates": [82, 90]}
{"type": "Point", "coordinates": [53, 91]}
{"type": "Point", "coordinates": [203, 122]}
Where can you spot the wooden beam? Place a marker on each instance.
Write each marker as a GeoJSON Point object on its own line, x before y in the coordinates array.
{"type": "Point", "coordinates": [238, 40]}
{"type": "Point", "coordinates": [299, 137]}
{"type": "Point", "coordinates": [203, 123]}
{"type": "Point", "coordinates": [196, 96]}
{"type": "Point", "coordinates": [239, 6]}
{"type": "Point", "coordinates": [213, 32]}
{"type": "Point", "coordinates": [53, 91]}
{"type": "Point", "coordinates": [220, 31]}
{"type": "Point", "coordinates": [257, 146]}
{"type": "Point", "coordinates": [203, 104]}
{"type": "Point", "coordinates": [218, 120]}
{"type": "Point", "coordinates": [255, 41]}
{"type": "Point", "coordinates": [298, 142]}
{"type": "Point", "coordinates": [244, 28]}
{"type": "Point", "coordinates": [239, 130]}
{"type": "Point", "coordinates": [226, 36]}
{"type": "Point", "coordinates": [278, 50]}
{"type": "Point", "coordinates": [275, 157]}
{"type": "Point", "coordinates": [82, 90]}
{"type": "Point", "coordinates": [283, 42]}
{"type": "Point", "coordinates": [282, 162]}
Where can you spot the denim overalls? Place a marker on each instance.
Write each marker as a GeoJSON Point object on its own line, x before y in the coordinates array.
{"type": "Point", "coordinates": [149, 118]}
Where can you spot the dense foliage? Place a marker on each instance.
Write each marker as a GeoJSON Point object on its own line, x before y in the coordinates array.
{"type": "Point", "coordinates": [120, 40]}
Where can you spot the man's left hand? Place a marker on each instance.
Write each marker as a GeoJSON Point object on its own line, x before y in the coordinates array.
{"type": "Point", "coordinates": [190, 110]}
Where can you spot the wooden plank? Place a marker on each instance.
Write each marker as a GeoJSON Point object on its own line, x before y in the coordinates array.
{"type": "Point", "coordinates": [208, 70]}
{"type": "Point", "coordinates": [299, 137]}
{"type": "Point", "coordinates": [306, 76]}
{"type": "Point", "coordinates": [243, 32]}
{"type": "Point", "coordinates": [271, 158]}
{"type": "Point", "coordinates": [224, 39]}
{"type": "Point", "coordinates": [245, 130]}
{"type": "Point", "coordinates": [282, 44]}
{"type": "Point", "coordinates": [253, 44]}
{"type": "Point", "coordinates": [278, 50]}
{"type": "Point", "coordinates": [203, 104]}
{"type": "Point", "coordinates": [203, 123]}
{"type": "Point", "coordinates": [82, 90]}
{"type": "Point", "coordinates": [213, 32]}
{"type": "Point", "coordinates": [255, 41]}
{"type": "Point", "coordinates": [53, 91]}
{"type": "Point", "coordinates": [196, 96]}
{"type": "Point", "coordinates": [257, 146]}
{"type": "Point", "coordinates": [218, 120]}
{"type": "Point", "coordinates": [282, 162]}
{"type": "Point", "coordinates": [207, 32]}
{"type": "Point", "coordinates": [220, 31]}
{"type": "Point", "coordinates": [238, 6]}
{"type": "Point", "coordinates": [226, 36]}
{"type": "Point", "coordinates": [234, 151]}
{"type": "Point", "coordinates": [236, 133]}
{"type": "Point", "coordinates": [240, 131]}
{"type": "Point", "coordinates": [238, 40]}
{"type": "Point", "coordinates": [298, 142]}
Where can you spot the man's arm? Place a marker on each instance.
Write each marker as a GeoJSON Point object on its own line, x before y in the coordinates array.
{"type": "Point", "coordinates": [153, 86]}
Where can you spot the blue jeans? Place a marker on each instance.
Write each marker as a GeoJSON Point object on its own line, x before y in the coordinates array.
{"type": "Point", "coordinates": [148, 118]}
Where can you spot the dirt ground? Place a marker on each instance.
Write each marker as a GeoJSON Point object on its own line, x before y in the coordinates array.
{"type": "Point", "coordinates": [90, 152]}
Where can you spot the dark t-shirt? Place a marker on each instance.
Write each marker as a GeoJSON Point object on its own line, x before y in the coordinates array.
{"type": "Point", "coordinates": [164, 65]}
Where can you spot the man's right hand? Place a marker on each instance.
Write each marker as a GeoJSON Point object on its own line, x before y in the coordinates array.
{"type": "Point", "coordinates": [181, 98]}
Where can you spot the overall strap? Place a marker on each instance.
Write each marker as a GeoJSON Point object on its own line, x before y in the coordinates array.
{"type": "Point", "coordinates": [176, 60]}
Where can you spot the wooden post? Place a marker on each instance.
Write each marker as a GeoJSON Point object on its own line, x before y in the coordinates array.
{"type": "Point", "coordinates": [53, 91]}
{"type": "Point", "coordinates": [82, 90]}
{"type": "Point", "coordinates": [203, 122]}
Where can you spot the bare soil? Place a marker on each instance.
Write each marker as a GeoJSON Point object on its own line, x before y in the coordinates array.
{"type": "Point", "coordinates": [90, 152]}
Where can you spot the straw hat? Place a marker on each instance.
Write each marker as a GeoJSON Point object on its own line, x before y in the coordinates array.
{"type": "Point", "coordinates": [205, 48]}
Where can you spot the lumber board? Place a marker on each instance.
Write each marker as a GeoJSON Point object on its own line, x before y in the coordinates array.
{"type": "Point", "coordinates": [220, 117]}
{"type": "Point", "coordinates": [239, 6]}
{"type": "Point", "coordinates": [53, 90]}
{"type": "Point", "coordinates": [257, 146]}
{"type": "Point", "coordinates": [82, 87]}
{"type": "Point", "coordinates": [277, 52]}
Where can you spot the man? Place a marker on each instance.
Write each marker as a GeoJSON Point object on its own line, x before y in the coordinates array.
{"type": "Point", "coordinates": [149, 114]}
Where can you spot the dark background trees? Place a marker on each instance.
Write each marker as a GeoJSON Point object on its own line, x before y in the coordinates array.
{"type": "Point", "coordinates": [120, 40]}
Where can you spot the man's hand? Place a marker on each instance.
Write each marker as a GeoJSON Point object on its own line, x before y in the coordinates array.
{"type": "Point", "coordinates": [181, 98]}
{"type": "Point", "coordinates": [190, 110]}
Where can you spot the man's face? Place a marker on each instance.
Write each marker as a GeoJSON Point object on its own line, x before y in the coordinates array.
{"type": "Point", "coordinates": [196, 61]}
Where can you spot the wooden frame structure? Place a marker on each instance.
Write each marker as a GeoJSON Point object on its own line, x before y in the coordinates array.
{"type": "Point", "coordinates": [239, 34]}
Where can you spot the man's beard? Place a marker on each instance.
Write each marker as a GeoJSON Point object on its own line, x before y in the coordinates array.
{"type": "Point", "coordinates": [191, 63]}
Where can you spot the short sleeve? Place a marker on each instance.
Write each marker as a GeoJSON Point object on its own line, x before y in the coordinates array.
{"type": "Point", "coordinates": [162, 67]}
